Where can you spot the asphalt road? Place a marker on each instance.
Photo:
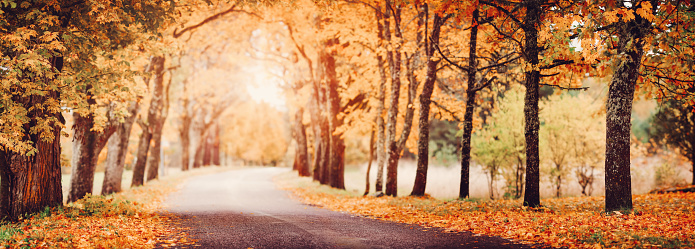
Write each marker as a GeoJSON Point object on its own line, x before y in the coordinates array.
{"type": "Point", "coordinates": [243, 209]}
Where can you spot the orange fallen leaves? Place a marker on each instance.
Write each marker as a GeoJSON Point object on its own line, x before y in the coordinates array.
{"type": "Point", "coordinates": [124, 220]}
{"type": "Point", "coordinates": [658, 220]}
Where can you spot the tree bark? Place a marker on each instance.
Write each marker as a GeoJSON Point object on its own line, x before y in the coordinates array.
{"type": "Point", "coordinates": [425, 99]}
{"type": "Point", "coordinates": [394, 60]}
{"type": "Point", "coordinates": [381, 96]}
{"type": "Point", "coordinates": [336, 159]}
{"type": "Point", "coordinates": [618, 113]}
{"type": "Point", "coordinates": [369, 162]}
{"type": "Point", "coordinates": [464, 191]}
{"type": "Point", "coordinates": [532, 124]}
{"type": "Point", "coordinates": [215, 146]}
{"type": "Point", "coordinates": [156, 105]}
{"type": "Point", "coordinates": [87, 145]}
{"type": "Point", "coordinates": [301, 155]}
{"type": "Point", "coordinates": [141, 157]}
{"type": "Point", "coordinates": [30, 183]}
{"type": "Point", "coordinates": [155, 156]}
{"type": "Point", "coordinates": [161, 117]}
{"type": "Point", "coordinates": [117, 147]}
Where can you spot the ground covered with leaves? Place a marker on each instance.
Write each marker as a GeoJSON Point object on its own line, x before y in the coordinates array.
{"type": "Point", "coordinates": [131, 219]}
{"type": "Point", "coordinates": [658, 220]}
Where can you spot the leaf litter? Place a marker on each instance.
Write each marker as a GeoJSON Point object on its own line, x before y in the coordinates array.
{"type": "Point", "coordinates": [130, 219]}
{"type": "Point", "coordinates": [657, 220]}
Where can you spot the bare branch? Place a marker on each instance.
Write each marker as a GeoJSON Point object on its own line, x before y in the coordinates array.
{"type": "Point", "coordinates": [211, 18]}
{"type": "Point", "coordinates": [565, 88]}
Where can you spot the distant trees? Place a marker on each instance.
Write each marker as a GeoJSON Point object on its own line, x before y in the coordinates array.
{"type": "Point", "coordinates": [499, 146]}
{"type": "Point", "coordinates": [674, 125]}
{"type": "Point", "coordinates": [573, 140]}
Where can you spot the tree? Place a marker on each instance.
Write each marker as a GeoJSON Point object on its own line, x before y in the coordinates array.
{"type": "Point", "coordinates": [48, 63]}
{"type": "Point", "coordinates": [429, 46]}
{"type": "Point", "coordinates": [117, 147]}
{"type": "Point", "coordinates": [500, 144]}
{"type": "Point", "coordinates": [153, 117]}
{"type": "Point", "coordinates": [532, 18]}
{"type": "Point", "coordinates": [674, 124]}
{"type": "Point", "coordinates": [572, 139]}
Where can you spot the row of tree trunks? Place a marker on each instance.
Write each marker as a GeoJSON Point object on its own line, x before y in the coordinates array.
{"type": "Point", "coordinates": [32, 182]}
{"type": "Point", "coordinates": [117, 148]}
{"type": "Point", "coordinates": [153, 114]}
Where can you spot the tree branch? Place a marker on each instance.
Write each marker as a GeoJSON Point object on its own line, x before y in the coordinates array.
{"type": "Point", "coordinates": [565, 88]}
{"type": "Point", "coordinates": [211, 18]}
{"type": "Point", "coordinates": [440, 106]}
{"type": "Point", "coordinates": [557, 63]}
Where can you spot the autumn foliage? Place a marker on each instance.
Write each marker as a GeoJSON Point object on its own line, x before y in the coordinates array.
{"type": "Point", "coordinates": [662, 220]}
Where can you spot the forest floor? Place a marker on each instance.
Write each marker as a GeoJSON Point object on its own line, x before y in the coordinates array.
{"type": "Point", "coordinates": [130, 219]}
{"type": "Point", "coordinates": [657, 221]}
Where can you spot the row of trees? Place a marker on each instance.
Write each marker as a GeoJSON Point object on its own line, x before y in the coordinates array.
{"type": "Point", "coordinates": [384, 50]}
{"type": "Point", "coordinates": [350, 65]}
{"type": "Point", "coordinates": [103, 63]}
{"type": "Point", "coordinates": [572, 142]}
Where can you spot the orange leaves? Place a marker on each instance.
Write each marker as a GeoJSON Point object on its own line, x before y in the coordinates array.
{"type": "Point", "coordinates": [99, 222]}
{"type": "Point", "coordinates": [577, 222]}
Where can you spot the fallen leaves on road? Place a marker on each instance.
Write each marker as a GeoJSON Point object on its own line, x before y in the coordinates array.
{"type": "Point", "coordinates": [658, 220]}
{"type": "Point", "coordinates": [124, 220]}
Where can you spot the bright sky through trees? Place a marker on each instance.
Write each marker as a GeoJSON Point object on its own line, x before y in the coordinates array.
{"type": "Point", "coordinates": [264, 87]}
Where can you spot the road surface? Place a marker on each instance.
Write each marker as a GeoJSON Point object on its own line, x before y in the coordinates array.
{"type": "Point", "coordinates": [242, 208]}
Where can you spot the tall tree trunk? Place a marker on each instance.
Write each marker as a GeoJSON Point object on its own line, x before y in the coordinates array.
{"type": "Point", "coordinates": [429, 46]}
{"type": "Point", "coordinates": [86, 148]}
{"type": "Point", "coordinates": [532, 124]}
{"type": "Point", "coordinates": [394, 60]}
{"type": "Point", "coordinates": [187, 116]}
{"type": "Point", "coordinates": [156, 105]}
{"type": "Point", "coordinates": [301, 155]}
{"type": "Point", "coordinates": [215, 146]}
{"type": "Point", "coordinates": [117, 147]}
{"type": "Point", "coordinates": [369, 162]}
{"type": "Point", "coordinates": [464, 191]}
{"type": "Point", "coordinates": [161, 117]}
{"type": "Point", "coordinates": [207, 148]}
{"type": "Point", "coordinates": [30, 183]}
{"type": "Point", "coordinates": [381, 96]}
{"type": "Point", "coordinates": [336, 159]}
{"type": "Point", "coordinates": [199, 151]}
{"type": "Point", "coordinates": [155, 156]}
{"type": "Point", "coordinates": [184, 134]}
{"type": "Point", "coordinates": [618, 113]}
{"type": "Point", "coordinates": [141, 157]}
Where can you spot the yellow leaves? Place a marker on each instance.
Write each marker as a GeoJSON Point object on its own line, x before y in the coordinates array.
{"type": "Point", "coordinates": [621, 14]}
{"type": "Point", "coordinates": [574, 222]}
{"type": "Point", "coordinates": [645, 11]}
{"type": "Point", "coordinates": [101, 222]}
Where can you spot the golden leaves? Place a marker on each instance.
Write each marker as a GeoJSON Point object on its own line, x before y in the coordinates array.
{"type": "Point", "coordinates": [124, 220]}
{"type": "Point", "coordinates": [574, 222]}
